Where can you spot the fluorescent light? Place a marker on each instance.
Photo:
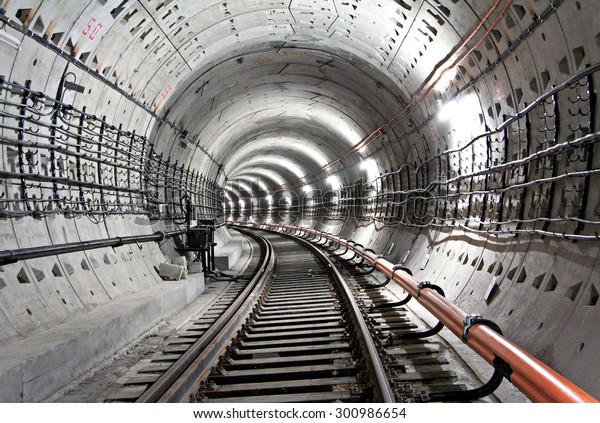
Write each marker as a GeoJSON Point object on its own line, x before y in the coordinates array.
{"type": "Point", "coordinates": [370, 166]}
{"type": "Point", "coordinates": [367, 164]}
{"type": "Point", "coordinates": [334, 181]}
{"type": "Point", "coordinates": [449, 111]}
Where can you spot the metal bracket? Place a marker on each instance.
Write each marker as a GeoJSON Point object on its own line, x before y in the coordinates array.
{"type": "Point", "coordinates": [501, 368]}
{"type": "Point", "coordinates": [400, 267]}
{"type": "Point", "coordinates": [429, 285]}
{"type": "Point", "coordinates": [387, 280]}
{"type": "Point", "coordinates": [74, 87]}
{"type": "Point", "coordinates": [469, 322]}
{"type": "Point", "coordinates": [422, 286]}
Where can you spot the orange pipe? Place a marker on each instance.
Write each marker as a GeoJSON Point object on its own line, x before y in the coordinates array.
{"type": "Point", "coordinates": [532, 377]}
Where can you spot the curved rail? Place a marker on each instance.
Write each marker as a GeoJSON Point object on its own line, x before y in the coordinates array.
{"type": "Point", "coordinates": [178, 382]}
{"type": "Point", "coordinates": [381, 385]}
{"type": "Point", "coordinates": [533, 378]}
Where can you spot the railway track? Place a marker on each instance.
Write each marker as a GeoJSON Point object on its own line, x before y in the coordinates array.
{"type": "Point", "coordinates": [136, 387]}
{"type": "Point", "coordinates": [299, 331]}
{"type": "Point", "coordinates": [420, 368]}
{"type": "Point", "coordinates": [303, 343]}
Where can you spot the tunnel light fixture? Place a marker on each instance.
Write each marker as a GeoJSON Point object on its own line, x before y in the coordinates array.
{"type": "Point", "coordinates": [269, 198]}
{"type": "Point", "coordinates": [462, 115]}
{"type": "Point", "coordinates": [449, 111]}
{"type": "Point", "coordinates": [334, 181]}
{"type": "Point", "coordinates": [263, 186]}
{"type": "Point", "coordinates": [246, 187]}
{"type": "Point", "coordinates": [307, 188]}
{"type": "Point", "coordinates": [285, 202]}
{"type": "Point", "coordinates": [370, 166]}
{"type": "Point", "coordinates": [249, 181]}
{"type": "Point", "coordinates": [367, 164]}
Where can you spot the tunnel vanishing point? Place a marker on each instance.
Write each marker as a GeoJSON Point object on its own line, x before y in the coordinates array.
{"type": "Point", "coordinates": [456, 137]}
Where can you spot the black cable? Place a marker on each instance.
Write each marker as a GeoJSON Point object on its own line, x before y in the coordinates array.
{"type": "Point", "coordinates": [219, 276]}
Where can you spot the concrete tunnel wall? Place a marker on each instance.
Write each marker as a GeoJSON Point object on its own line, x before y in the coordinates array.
{"type": "Point", "coordinates": [291, 93]}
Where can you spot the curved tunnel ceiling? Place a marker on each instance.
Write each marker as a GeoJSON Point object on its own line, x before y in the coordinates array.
{"type": "Point", "coordinates": [255, 96]}
{"type": "Point", "coordinates": [325, 73]}
{"type": "Point", "coordinates": [248, 82]}
{"type": "Point", "coordinates": [282, 107]}
{"type": "Point", "coordinates": [232, 74]}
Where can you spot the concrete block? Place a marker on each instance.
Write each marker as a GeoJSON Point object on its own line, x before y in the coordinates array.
{"type": "Point", "coordinates": [195, 267]}
{"type": "Point", "coordinates": [227, 255]}
{"type": "Point", "coordinates": [181, 261]}
{"type": "Point", "coordinates": [11, 383]}
{"type": "Point", "coordinates": [229, 248]}
{"type": "Point", "coordinates": [33, 368]}
{"type": "Point", "coordinates": [171, 272]}
{"type": "Point", "coordinates": [171, 301]}
{"type": "Point", "coordinates": [195, 286]}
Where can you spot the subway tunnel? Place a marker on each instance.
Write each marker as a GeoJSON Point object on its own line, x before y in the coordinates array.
{"type": "Point", "coordinates": [457, 138]}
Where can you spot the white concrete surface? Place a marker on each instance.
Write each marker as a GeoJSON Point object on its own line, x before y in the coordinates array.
{"type": "Point", "coordinates": [35, 367]}
{"type": "Point", "coordinates": [172, 272]}
{"type": "Point", "coordinates": [228, 250]}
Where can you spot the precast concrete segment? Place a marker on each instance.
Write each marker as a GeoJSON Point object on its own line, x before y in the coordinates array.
{"type": "Point", "coordinates": [536, 380]}
{"type": "Point", "coordinates": [178, 382]}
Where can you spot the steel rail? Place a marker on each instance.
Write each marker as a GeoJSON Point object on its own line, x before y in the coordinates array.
{"type": "Point", "coordinates": [178, 383]}
{"type": "Point", "coordinates": [381, 385]}
{"type": "Point", "coordinates": [13, 256]}
{"type": "Point", "coordinates": [536, 380]}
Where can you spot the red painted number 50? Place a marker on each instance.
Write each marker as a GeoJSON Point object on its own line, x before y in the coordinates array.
{"type": "Point", "coordinates": [93, 32]}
